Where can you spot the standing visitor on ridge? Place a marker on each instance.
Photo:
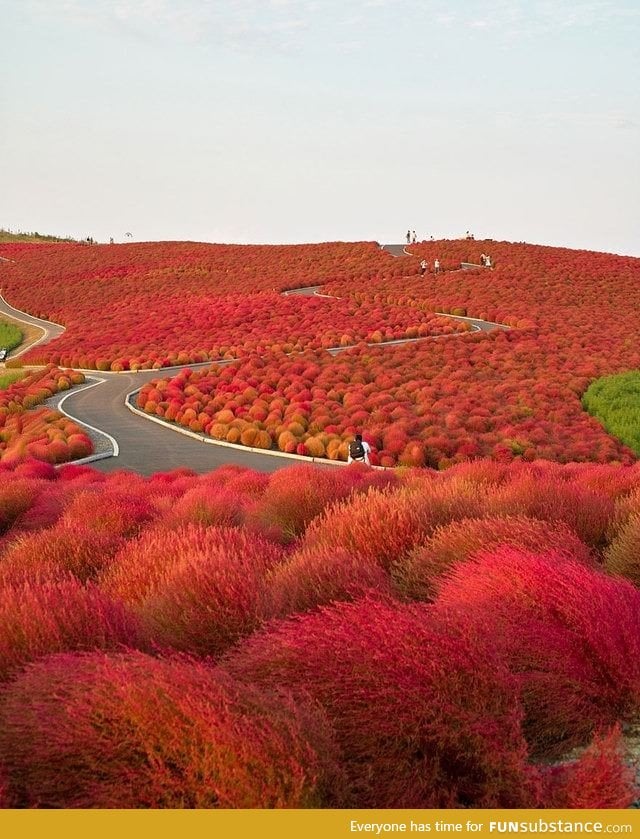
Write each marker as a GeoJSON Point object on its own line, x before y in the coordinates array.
{"type": "Point", "coordinates": [436, 266]}
{"type": "Point", "coordinates": [359, 451]}
{"type": "Point", "coordinates": [414, 238]}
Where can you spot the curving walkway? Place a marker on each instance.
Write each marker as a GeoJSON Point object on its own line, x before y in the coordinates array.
{"type": "Point", "coordinates": [49, 330]}
{"type": "Point", "coordinates": [134, 441]}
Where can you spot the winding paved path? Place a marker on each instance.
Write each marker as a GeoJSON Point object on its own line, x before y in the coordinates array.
{"type": "Point", "coordinates": [49, 330]}
{"type": "Point", "coordinates": [146, 446]}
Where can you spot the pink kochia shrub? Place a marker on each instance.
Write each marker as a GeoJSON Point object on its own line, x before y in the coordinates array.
{"type": "Point", "coordinates": [569, 632]}
{"type": "Point", "coordinates": [39, 619]}
{"type": "Point", "coordinates": [195, 589]}
{"type": "Point", "coordinates": [128, 730]}
{"type": "Point", "coordinates": [425, 715]}
{"type": "Point", "coordinates": [420, 573]}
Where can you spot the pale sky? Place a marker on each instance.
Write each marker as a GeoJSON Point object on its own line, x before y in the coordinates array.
{"type": "Point", "coordinates": [313, 120]}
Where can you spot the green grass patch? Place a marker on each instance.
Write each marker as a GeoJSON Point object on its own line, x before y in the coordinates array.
{"type": "Point", "coordinates": [615, 401]}
{"type": "Point", "coordinates": [8, 377]}
{"type": "Point", "coordinates": [10, 335]}
{"type": "Point", "coordinates": [9, 236]}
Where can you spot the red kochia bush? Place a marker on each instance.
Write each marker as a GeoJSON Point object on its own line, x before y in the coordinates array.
{"type": "Point", "coordinates": [57, 553]}
{"type": "Point", "coordinates": [425, 715]}
{"type": "Point", "coordinates": [550, 498]}
{"type": "Point", "coordinates": [108, 511]}
{"type": "Point", "coordinates": [599, 779]}
{"type": "Point", "coordinates": [46, 509]}
{"type": "Point", "coordinates": [419, 574]}
{"type": "Point", "coordinates": [128, 730]}
{"type": "Point", "coordinates": [5, 796]}
{"type": "Point", "coordinates": [318, 575]}
{"type": "Point", "coordinates": [36, 620]}
{"type": "Point", "coordinates": [31, 468]}
{"type": "Point", "coordinates": [295, 496]}
{"type": "Point", "coordinates": [196, 589]}
{"type": "Point", "coordinates": [570, 632]}
{"type": "Point", "coordinates": [384, 525]}
{"type": "Point", "coordinates": [207, 505]}
{"type": "Point", "coordinates": [16, 496]}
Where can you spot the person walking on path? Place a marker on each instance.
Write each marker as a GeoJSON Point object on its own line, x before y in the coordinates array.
{"type": "Point", "coordinates": [423, 267]}
{"type": "Point", "coordinates": [487, 261]}
{"type": "Point", "coordinates": [359, 451]}
{"type": "Point", "coordinates": [414, 238]}
{"type": "Point", "coordinates": [408, 237]}
{"type": "Point", "coordinates": [436, 266]}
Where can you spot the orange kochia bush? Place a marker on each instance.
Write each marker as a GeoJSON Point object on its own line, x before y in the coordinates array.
{"type": "Point", "coordinates": [43, 434]}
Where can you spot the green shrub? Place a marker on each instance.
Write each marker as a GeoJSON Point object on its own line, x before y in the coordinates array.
{"type": "Point", "coordinates": [10, 335]}
{"type": "Point", "coordinates": [615, 401]}
{"type": "Point", "coordinates": [9, 377]}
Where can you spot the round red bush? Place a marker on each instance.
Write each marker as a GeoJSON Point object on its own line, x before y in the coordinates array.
{"type": "Point", "coordinates": [39, 619]}
{"type": "Point", "coordinates": [390, 680]}
{"type": "Point", "coordinates": [319, 575]}
{"type": "Point", "coordinates": [569, 632]}
{"type": "Point", "coordinates": [419, 574]}
{"type": "Point", "coordinates": [131, 731]}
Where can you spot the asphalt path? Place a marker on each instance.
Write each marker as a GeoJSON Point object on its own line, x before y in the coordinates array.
{"type": "Point", "coordinates": [145, 446]}
{"type": "Point", "coordinates": [49, 330]}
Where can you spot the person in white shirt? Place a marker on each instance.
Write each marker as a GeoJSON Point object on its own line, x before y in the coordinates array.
{"type": "Point", "coordinates": [359, 451]}
{"type": "Point", "coordinates": [423, 267]}
{"type": "Point", "coordinates": [436, 266]}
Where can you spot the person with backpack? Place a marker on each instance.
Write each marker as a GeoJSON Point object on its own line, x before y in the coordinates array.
{"type": "Point", "coordinates": [359, 451]}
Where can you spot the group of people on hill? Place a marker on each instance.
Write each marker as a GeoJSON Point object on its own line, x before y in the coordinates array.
{"type": "Point", "coordinates": [424, 267]}
{"type": "Point", "coordinates": [412, 238]}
